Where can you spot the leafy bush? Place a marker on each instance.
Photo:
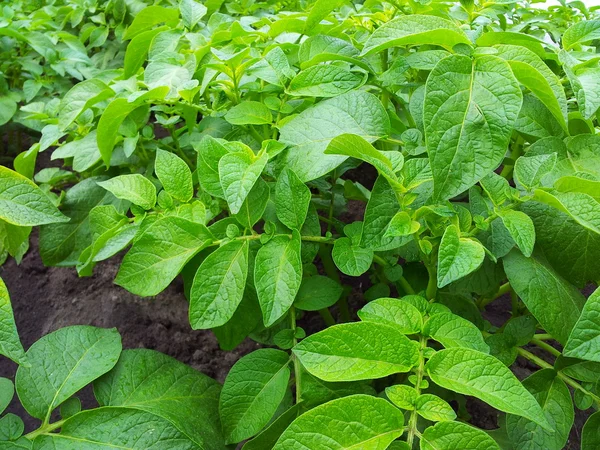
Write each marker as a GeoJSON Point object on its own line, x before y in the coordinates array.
{"type": "Point", "coordinates": [232, 143]}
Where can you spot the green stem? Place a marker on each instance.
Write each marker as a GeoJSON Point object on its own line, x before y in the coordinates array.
{"type": "Point", "coordinates": [45, 428]}
{"type": "Point", "coordinates": [507, 170]}
{"type": "Point", "coordinates": [431, 290]}
{"type": "Point", "coordinates": [297, 368]}
{"type": "Point", "coordinates": [544, 346]}
{"type": "Point", "coordinates": [504, 289]}
{"type": "Point", "coordinates": [568, 380]}
{"type": "Point", "coordinates": [412, 422]}
{"type": "Point", "coordinates": [403, 282]}
{"type": "Point", "coordinates": [327, 317]}
{"type": "Point", "coordinates": [543, 336]}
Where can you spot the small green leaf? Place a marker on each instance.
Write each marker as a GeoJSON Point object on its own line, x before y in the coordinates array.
{"type": "Point", "coordinates": [174, 174]}
{"type": "Point", "coordinates": [277, 276]}
{"type": "Point", "coordinates": [357, 351]}
{"type": "Point", "coordinates": [210, 151]}
{"type": "Point", "coordinates": [10, 344]}
{"type": "Point", "coordinates": [402, 396]}
{"type": "Point", "coordinates": [529, 170]}
{"type": "Point", "coordinates": [433, 408]}
{"type": "Point", "coordinates": [79, 98]}
{"type": "Point", "coordinates": [7, 392]}
{"type": "Point", "coordinates": [292, 199]}
{"type": "Point", "coordinates": [317, 292]}
{"type": "Point", "coordinates": [457, 257]}
{"type": "Point", "coordinates": [590, 438]}
{"type": "Point", "coordinates": [392, 311]}
{"type": "Point", "coordinates": [456, 436]}
{"type": "Point", "coordinates": [159, 254]}
{"type": "Point", "coordinates": [324, 81]}
{"type": "Point", "coordinates": [219, 285]}
{"type": "Point", "coordinates": [470, 372]}
{"type": "Point", "coordinates": [135, 188]}
{"type": "Point", "coordinates": [351, 259]}
{"type": "Point", "coordinates": [253, 390]}
{"type": "Point", "coordinates": [402, 225]}
{"type": "Point", "coordinates": [453, 331]}
{"type": "Point", "coordinates": [357, 421]}
{"type": "Point", "coordinates": [191, 12]}
{"type": "Point", "coordinates": [249, 113]}
{"type": "Point", "coordinates": [11, 427]}
{"type": "Point", "coordinates": [22, 203]}
{"type": "Point", "coordinates": [238, 173]}
{"type": "Point", "coordinates": [62, 363]}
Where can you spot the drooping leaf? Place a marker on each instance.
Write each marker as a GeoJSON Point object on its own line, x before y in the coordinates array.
{"type": "Point", "coordinates": [253, 390]}
{"type": "Point", "coordinates": [159, 254]}
{"type": "Point", "coordinates": [135, 188]}
{"type": "Point", "coordinates": [62, 363]}
{"type": "Point", "coordinates": [471, 372]}
{"type": "Point", "coordinates": [521, 228]}
{"type": "Point", "coordinates": [469, 112]}
{"type": "Point", "coordinates": [219, 285]}
{"type": "Point", "coordinates": [10, 344]}
{"type": "Point", "coordinates": [357, 351]}
{"type": "Point", "coordinates": [357, 421]}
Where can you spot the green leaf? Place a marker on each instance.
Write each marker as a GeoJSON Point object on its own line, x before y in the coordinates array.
{"type": "Point", "coordinates": [351, 259]}
{"type": "Point", "coordinates": [469, 113]}
{"type": "Point", "coordinates": [453, 331]}
{"type": "Point", "coordinates": [238, 172]}
{"type": "Point", "coordinates": [249, 113]}
{"type": "Point", "coordinates": [62, 363]}
{"type": "Point", "coordinates": [10, 344]}
{"type": "Point", "coordinates": [254, 205]}
{"type": "Point", "coordinates": [357, 421]}
{"type": "Point", "coordinates": [324, 81]}
{"type": "Point", "coordinates": [219, 285]}
{"type": "Point", "coordinates": [137, 51]}
{"type": "Point", "coordinates": [308, 134]}
{"type": "Point", "coordinates": [79, 98]}
{"type": "Point", "coordinates": [357, 351]}
{"type": "Point", "coordinates": [580, 33]}
{"type": "Point", "coordinates": [555, 303]}
{"type": "Point", "coordinates": [521, 229]}
{"type": "Point", "coordinates": [433, 408]}
{"type": "Point", "coordinates": [292, 199]}
{"type": "Point", "coordinates": [159, 254]}
{"type": "Point", "coordinates": [395, 312]}
{"type": "Point", "coordinates": [319, 11]}
{"type": "Point", "coordinates": [7, 392]}
{"type": "Point", "coordinates": [457, 257]}
{"type": "Point", "coordinates": [555, 399]}
{"type": "Point", "coordinates": [11, 427]}
{"type": "Point", "coordinates": [402, 225]}
{"type": "Point", "coordinates": [277, 276]}
{"type": "Point", "coordinates": [583, 208]}
{"type": "Point", "coordinates": [253, 390]}
{"type": "Point", "coordinates": [590, 438]}
{"type": "Point", "coordinates": [175, 175]}
{"type": "Point", "coordinates": [402, 396]}
{"type": "Point", "coordinates": [317, 292]}
{"type": "Point", "coordinates": [134, 188]}
{"type": "Point", "coordinates": [191, 12]}
{"type": "Point", "coordinates": [321, 48]}
{"type": "Point", "coordinates": [470, 372]}
{"type": "Point", "coordinates": [535, 75]}
{"type": "Point", "coordinates": [85, 152]}
{"type": "Point", "coordinates": [529, 170]}
{"type": "Point", "coordinates": [149, 17]}
{"type": "Point", "coordinates": [357, 147]}
{"type": "Point", "coordinates": [415, 29]}
{"type": "Point", "coordinates": [210, 151]}
{"type": "Point", "coordinates": [456, 436]}
{"type": "Point", "coordinates": [584, 82]}
{"type": "Point", "coordinates": [267, 438]}
{"type": "Point", "coordinates": [119, 428]}
{"type": "Point", "coordinates": [584, 340]}
{"type": "Point", "coordinates": [156, 383]}
{"type": "Point", "coordinates": [8, 108]}
{"type": "Point", "coordinates": [535, 121]}
{"type": "Point", "coordinates": [22, 203]}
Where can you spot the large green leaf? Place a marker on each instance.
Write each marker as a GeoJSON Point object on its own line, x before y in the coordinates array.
{"type": "Point", "coordinates": [292, 199]}
{"type": "Point", "coordinates": [521, 229]}
{"type": "Point", "coordinates": [149, 17]}
{"type": "Point", "coordinates": [580, 33]}
{"type": "Point", "coordinates": [219, 285]}
{"type": "Point", "coordinates": [584, 340]}
{"type": "Point", "coordinates": [174, 174]}
{"type": "Point", "coordinates": [415, 29]}
{"type": "Point", "coordinates": [253, 390]}
{"type": "Point", "coordinates": [583, 208]}
{"type": "Point", "coordinates": [308, 134]}
{"type": "Point", "coordinates": [392, 311]}
{"type": "Point", "coordinates": [79, 98]}
{"type": "Point", "coordinates": [469, 113]}
{"type": "Point", "coordinates": [115, 428]}
{"type": "Point", "coordinates": [238, 173]}
{"type": "Point", "coordinates": [134, 188]}
{"type": "Point", "coordinates": [555, 303]}
{"type": "Point", "coordinates": [590, 438]}
{"type": "Point", "coordinates": [22, 203]}
{"type": "Point", "coordinates": [159, 254]}
{"type": "Point", "coordinates": [151, 381]}
{"type": "Point", "coordinates": [457, 257]}
{"type": "Point", "coordinates": [10, 344]}
{"type": "Point", "coordinates": [456, 436]}
{"type": "Point", "coordinates": [453, 331]}
{"type": "Point", "coordinates": [277, 276]}
{"type": "Point", "coordinates": [354, 422]}
{"type": "Point", "coordinates": [84, 151]}
{"type": "Point", "coordinates": [249, 113]}
{"type": "Point", "coordinates": [62, 363]}
{"type": "Point", "coordinates": [210, 151]}
{"type": "Point", "coordinates": [555, 399]}
{"type": "Point", "coordinates": [357, 351]}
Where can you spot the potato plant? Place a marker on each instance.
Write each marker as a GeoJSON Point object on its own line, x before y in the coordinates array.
{"type": "Point", "coordinates": [269, 154]}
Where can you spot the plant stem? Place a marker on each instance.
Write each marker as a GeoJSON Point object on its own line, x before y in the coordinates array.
{"type": "Point", "coordinates": [544, 346]}
{"type": "Point", "coordinates": [45, 428]}
{"type": "Point", "coordinates": [543, 336]}
{"type": "Point", "coordinates": [297, 368]}
{"type": "Point", "coordinates": [504, 289]}
{"type": "Point", "coordinates": [403, 282]}
{"type": "Point", "coordinates": [431, 290]}
{"type": "Point", "coordinates": [568, 380]}
{"type": "Point", "coordinates": [327, 317]}
{"type": "Point", "coordinates": [412, 422]}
